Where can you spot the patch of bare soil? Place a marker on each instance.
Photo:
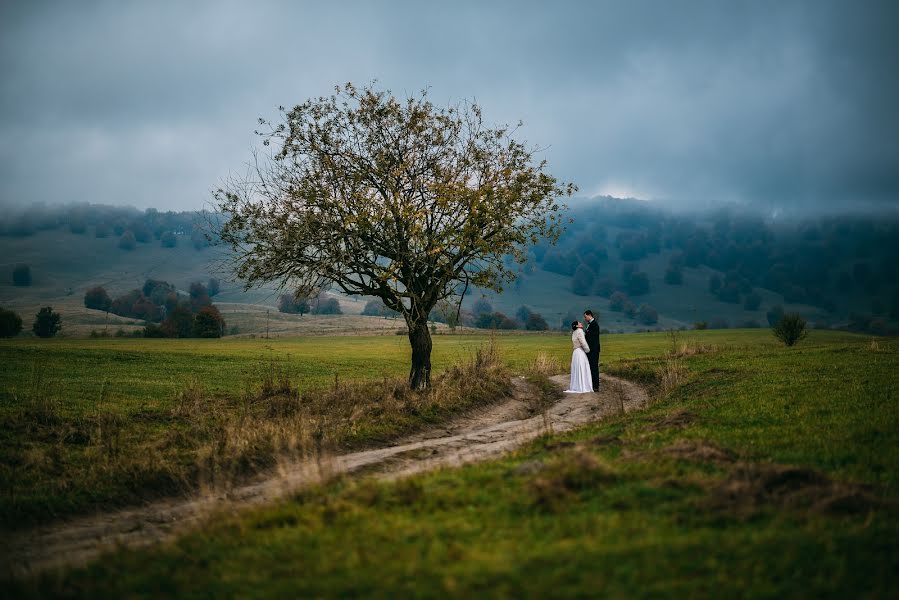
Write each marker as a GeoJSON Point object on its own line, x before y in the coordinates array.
{"type": "Point", "coordinates": [700, 451]}
{"type": "Point", "coordinates": [481, 435]}
{"type": "Point", "coordinates": [676, 420]}
{"type": "Point", "coordinates": [751, 486]}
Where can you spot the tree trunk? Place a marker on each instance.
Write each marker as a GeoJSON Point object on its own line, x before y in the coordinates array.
{"type": "Point", "coordinates": [420, 338]}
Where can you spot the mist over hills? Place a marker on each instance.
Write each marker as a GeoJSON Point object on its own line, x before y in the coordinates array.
{"type": "Point", "coordinates": [640, 266]}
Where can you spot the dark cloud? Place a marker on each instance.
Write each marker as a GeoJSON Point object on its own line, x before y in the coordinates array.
{"type": "Point", "coordinates": [786, 104]}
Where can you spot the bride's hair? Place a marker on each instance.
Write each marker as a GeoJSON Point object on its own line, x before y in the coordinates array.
{"type": "Point", "coordinates": [574, 325]}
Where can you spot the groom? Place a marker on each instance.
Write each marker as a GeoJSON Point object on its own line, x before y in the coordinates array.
{"type": "Point", "coordinates": [592, 335]}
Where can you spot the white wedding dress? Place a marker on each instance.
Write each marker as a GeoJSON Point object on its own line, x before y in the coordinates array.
{"type": "Point", "coordinates": [581, 379]}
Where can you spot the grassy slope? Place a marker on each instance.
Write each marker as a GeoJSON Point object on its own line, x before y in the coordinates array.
{"type": "Point", "coordinates": [621, 519]}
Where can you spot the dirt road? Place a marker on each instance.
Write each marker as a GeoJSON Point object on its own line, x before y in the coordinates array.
{"type": "Point", "coordinates": [486, 434]}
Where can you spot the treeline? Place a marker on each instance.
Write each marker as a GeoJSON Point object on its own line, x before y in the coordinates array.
{"type": "Point", "coordinates": [845, 263]}
{"type": "Point", "coordinates": [167, 312]}
{"type": "Point", "coordinates": [128, 226]}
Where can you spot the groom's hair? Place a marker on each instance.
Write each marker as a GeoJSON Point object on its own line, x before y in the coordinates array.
{"type": "Point", "coordinates": [588, 312]}
{"type": "Point", "coordinates": [573, 325]}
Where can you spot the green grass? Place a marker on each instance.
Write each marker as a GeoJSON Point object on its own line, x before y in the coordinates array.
{"type": "Point", "coordinates": [620, 516]}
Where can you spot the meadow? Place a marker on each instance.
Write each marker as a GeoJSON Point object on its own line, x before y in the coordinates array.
{"type": "Point", "coordinates": [758, 471]}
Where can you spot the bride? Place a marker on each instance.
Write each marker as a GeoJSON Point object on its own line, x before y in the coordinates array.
{"type": "Point", "coordinates": [581, 381]}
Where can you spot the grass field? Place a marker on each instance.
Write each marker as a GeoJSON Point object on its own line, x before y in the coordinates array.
{"type": "Point", "coordinates": [762, 472]}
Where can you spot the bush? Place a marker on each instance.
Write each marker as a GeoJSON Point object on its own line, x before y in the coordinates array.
{"type": "Point", "coordinates": [376, 308]}
{"type": "Point", "coordinates": [97, 299]}
{"type": "Point", "coordinates": [790, 329]}
{"type": "Point", "coordinates": [647, 315]}
{"type": "Point", "coordinates": [10, 323]}
{"type": "Point", "coordinates": [21, 275]}
{"type": "Point", "coordinates": [46, 323]}
{"type": "Point", "coordinates": [168, 240]}
{"type": "Point", "coordinates": [127, 241]}
{"type": "Point", "coordinates": [700, 325]}
{"type": "Point", "coordinates": [775, 314]}
{"type": "Point", "coordinates": [495, 320]}
{"type": "Point", "coordinates": [752, 301]}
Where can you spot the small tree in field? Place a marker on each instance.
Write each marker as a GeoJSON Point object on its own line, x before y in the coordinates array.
{"type": "Point", "coordinates": [393, 198]}
{"type": "Point", "coordinates": [790, 329]}
{"type": "Point", "coordinates": [10, 323]}
{"type": "Point", "coordinates": [46, 323]}
{"type": "Point", "coordinates": [98, 299]}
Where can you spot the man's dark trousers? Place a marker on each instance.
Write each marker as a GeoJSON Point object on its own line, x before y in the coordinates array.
{"type": "Point", "coordinates": [592, 336]}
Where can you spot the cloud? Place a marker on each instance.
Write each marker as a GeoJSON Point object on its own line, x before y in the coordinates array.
{"type": "Point", "coordinates": [151, 104]}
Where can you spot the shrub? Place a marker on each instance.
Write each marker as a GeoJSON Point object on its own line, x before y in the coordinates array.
{"type": "Point", "coordinates": [700, 325]}
{"type": "Point", "coordinates": [209, 323]}
{"type": "Point", "coordinates": [752, 301]}
{"type": "Point", "coordinates": [127, 241]}
{"type": "Point", "coordinates": [10, 323]}
{"type": "Point", "coordinates": [46, 323]}
{"type": "Point", "coordinates": [97, 299]}
{"type": "Point", "coordinates": [168, 240]}
{"type": "Point", "coordinates": [790, 329]}
{"type": "Point", "coordinates": [21, 275]}
{"type": "Point", "coordinates": [648, 315]}
{"type": "Point", "coordinates": [151, 330]}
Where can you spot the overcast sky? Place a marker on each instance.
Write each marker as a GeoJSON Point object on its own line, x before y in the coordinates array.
{"type": "Point", "coordinates": [767, 103]}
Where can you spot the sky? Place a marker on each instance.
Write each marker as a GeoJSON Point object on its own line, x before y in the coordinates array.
{"type": "Point", "coordinates": [772, 104]}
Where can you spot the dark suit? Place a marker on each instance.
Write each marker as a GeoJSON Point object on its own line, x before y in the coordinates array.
{"type": "Point", "coordinates": [591, 333]}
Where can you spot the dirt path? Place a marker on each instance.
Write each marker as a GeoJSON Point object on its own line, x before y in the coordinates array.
{"type": "Point", "coordinates": [482, 435]}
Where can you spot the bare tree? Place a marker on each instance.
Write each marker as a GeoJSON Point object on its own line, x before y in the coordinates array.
{"type": "Point", "coordinates": [387, 197]}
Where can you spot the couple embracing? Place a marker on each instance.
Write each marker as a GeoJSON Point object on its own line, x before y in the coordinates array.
{"type": "Point", "coordinates": [585, 358]}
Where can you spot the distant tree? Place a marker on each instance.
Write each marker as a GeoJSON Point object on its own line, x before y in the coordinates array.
{"type": "Point", "coordinates": [143, 308]}
{"type": "Point", "coordinates": [719, 323]}
{"type": "Point", "coordinates": [209, 323]}
{"type": "Point", "coordinates": [617, 301]}
{"type": "Point", "coordinates": [46, 323]}
{"type": "Point", "coordinates": [638, 284]}
{"type": "Point", "coordinates": [630, 309]}
{"type": "Point", "coordinates": [101, 230]}
{"type": "Point", "coordinates": [560, 263]}
{"type": "Point", "coordinates": [700, 325]}
{"type": "Point", "coordinates": [199, 239]}
{"type": "Point", "coordinates": [78, 227]}
{"type": "Point", "coordinates": [127, 241]}
{"type": "Point", "coordinates": [199, 296]}
{"type": "Point", "coordinates": [448, 312]}
{"type": "Point", "coordinates": [213, 287]}
{"type": "Point", "coordinates": [293, 304]}
{"type": "Point", "coordinates": [97, 299]}
{"type": "Point", "coordinates": [21, 275]}
{"type": "Point", "coordinates": [647, 315]}
{"type": "Point", "coordinates": [179, 321]}
{"type": "Point", "coordinates": [480, 307]}
{"type": "Point", "coordinates": [775, 314]}
{"type": "Point", "coordinates": [674, 276]}
{"type": "Point", "coordinates": [584, 281]}
{"type": "Point", "coordinates": [790, 329]}
{"type": "Point", "coordinates": [495, 320]}
{"type": "Point", "coordinates": [752, 301]}
{"type": "Point", "coordinates": [750, 324]}
{"type": "Point", "coordinates": [714, 283]}
{"type": "Point", "coordinates": [326, 306]}
{"type": "Point", "coordinates": [168, 240]}
{"type": "Point", "coordinates": [141, 233]}
{"type": "Point", "coordinates": [152, 330]}
{"type": "Point", "coordinates": [729, 293]}
{"type": "Point", "coordinates": [604, 287]}
{"type": "Point", "coordinates": [376, 308]}
{"type": "Point", "coordinates": [536, 322]}
{"type": "Point", "coordinates": [523, 313]}
{"type": "Point", "coordinates": [10, 323]}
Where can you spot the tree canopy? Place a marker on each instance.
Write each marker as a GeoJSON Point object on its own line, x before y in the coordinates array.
{"type": "Point", "coordinates": [394, 198]}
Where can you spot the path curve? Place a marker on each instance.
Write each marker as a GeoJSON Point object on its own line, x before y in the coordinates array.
{"type": "Point", "coordinates": [485, 434]}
